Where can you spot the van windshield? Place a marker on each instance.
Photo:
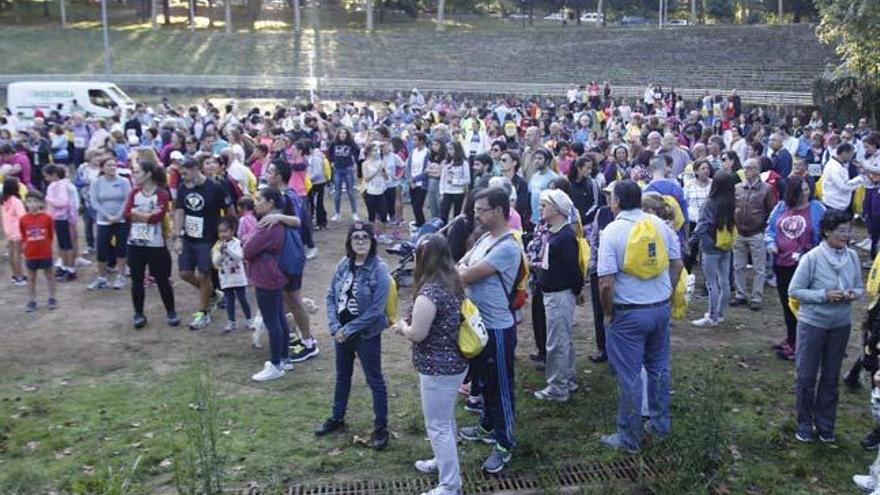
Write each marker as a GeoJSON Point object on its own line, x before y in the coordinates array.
{"type": "Point", "coordinates": [99, 98]}
{"type": "Point", "coordinates": [119, 95]}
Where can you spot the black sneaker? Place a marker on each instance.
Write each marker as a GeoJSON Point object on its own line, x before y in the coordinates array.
{"type": "Point", "coordinates": [474, 405]}
{"type": "Point", "coordinates": [852, 382]}
{"type": "Point", "coordinates": [140, 321]}
{"type": "Point", "coordinates": [173, 319]}
{"type": "Point", "coordinates": [871, 440]}
{"type": "Point", "coordinates": [379, 438]}
{"type": "Point", "coordinates": [329, 426]}
{"type": "Point", "coordinates": [300, 352]}
{"type": "Point", "coordinates": [536, 358]}
{"type": "Point", "coordinates": [735, 301]}
{"type": "Point", "coordinates": [599, 357]}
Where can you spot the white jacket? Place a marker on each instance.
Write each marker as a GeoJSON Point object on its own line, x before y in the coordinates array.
{"type": "Point", "coordinates": [837, 187]}
{"type": "Point", "coordinates": [454, 179]}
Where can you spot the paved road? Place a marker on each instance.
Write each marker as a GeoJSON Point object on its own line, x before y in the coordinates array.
{"type": "Point", "coordinates": [281, 86]}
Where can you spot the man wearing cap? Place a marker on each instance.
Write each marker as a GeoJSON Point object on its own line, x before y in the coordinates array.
{"type": "Point", "coordinates": [637, 313]}
{"type": "Point", "coordinates": [560, 282]}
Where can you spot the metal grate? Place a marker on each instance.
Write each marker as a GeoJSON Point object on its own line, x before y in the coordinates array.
{"type": "Point", "coordinates": [566, 476]}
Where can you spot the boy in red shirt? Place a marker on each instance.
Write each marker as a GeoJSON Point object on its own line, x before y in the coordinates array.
{"type": "Point", "coordinates": [37, 232]}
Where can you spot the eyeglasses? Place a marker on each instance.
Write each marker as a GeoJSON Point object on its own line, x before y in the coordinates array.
{"type": "Point", "coordinates": [360, 238]}
{"type": "Point", "coordinates": [480, 211]}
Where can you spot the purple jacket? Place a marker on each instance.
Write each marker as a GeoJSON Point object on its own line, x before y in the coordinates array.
{"type": "Point", "coordinates": [261, 252]}
{"type": "Point", "coordinates": [871, 208]}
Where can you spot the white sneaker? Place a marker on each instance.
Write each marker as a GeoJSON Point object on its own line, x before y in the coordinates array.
{"type": "Point", "coordinates": [335, 217]}
{"type": "Point", "coordinates": [439, 490]}
{"type": "Point", "coordinates": [311, 253]}
{"type": "Point", "coordinates": [384, 239]}
{"type": "Point", "coordinates": [230, 326]}
{"type": "Point", "coordinates": [427, 466]}
{"type": "Point", "coordinates": [119, 283]}
{"type": "Point", "coordinates": [355, 217]}
{"type": "Point", "coordinates": [82, 262]}
{"type": "Point", "coordinates": [864, 481]}
{"type": "Point", "coordinates": [705, 322]}
{"type": "Point", "coordinates": [287, 365]}
{"type": "Point", "coordinates": [98, 283]}
{"type": "Point", "coordinates": [270, 372]}
{"type": "Point", "coordinates": [251, 324]}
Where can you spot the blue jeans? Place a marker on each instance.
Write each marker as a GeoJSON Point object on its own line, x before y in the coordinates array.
{"type": "Point", "coordinates": [636, 338]}
{"type": "Point", "coordinates": [434, 197]}
{"type": "Point", "coordinates": [495, 375]}
{"type": "Point", "coordinates": [340, 176]}
{"type": "Point", "coordinates": [818, 348]}
{"type": "Point", "coordinates": [369, 351]}
{"type": "Point", "coordinates": [716, 270]}
{"type": "Point", "coordinates": [271, 303]}
{"type": "Point", "coordinates": [231, 293]}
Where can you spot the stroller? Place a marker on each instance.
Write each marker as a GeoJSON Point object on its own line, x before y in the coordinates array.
{"type": "Point", "coordinates": [406, 251]}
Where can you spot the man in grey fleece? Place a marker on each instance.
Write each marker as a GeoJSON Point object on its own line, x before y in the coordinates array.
{"type": "Point", "coordinates": [826, 282]}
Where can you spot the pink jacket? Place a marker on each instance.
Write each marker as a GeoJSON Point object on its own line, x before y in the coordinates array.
{"type": "Point", "coordinates": [58, 197]}
{"type": "Point", "coordinates": [13, 210]}
{"type": "Point", "coordinates": [247, 227]}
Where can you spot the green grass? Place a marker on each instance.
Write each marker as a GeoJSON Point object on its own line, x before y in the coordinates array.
{"type": "Point", "coordinates": [90, 428]}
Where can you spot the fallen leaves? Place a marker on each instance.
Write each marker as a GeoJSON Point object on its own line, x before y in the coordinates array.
{"type": "Point", "coordinates": [32, 445]}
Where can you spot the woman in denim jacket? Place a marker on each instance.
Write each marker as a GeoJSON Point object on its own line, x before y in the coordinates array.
{"type": "Point", "coordinates": [356, 314]}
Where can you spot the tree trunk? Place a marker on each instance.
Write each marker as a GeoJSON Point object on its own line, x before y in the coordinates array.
{"type": "Point", "coordinates": [441, 7]}
{"type": "Point", "coordinates": [154, 7]}
{"type": "Point", "coordinates": [63, 13]}
{"type": "Point", "coordinates": [166, 11]}
{"type": "Point", "coordinates": [297, 20]}
{"type": "Point", "coordinates": [601, 11]}
{"type": "Point", "coordinates": [210, 13]}
{"type": "Point", "coordinates": [46, 8]}
{"type": "Point", "coordinates": [780, 12]}
{"type": "Point", "coordinates": [369, 15]}
{"type": "Point", "coordinates": [192, 15]}
{"type": "Point", "coordinates": [228, 16]}
{"type": "Point", "coordinates": [693, 11]}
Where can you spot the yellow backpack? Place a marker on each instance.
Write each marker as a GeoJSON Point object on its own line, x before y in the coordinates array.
{"type": "Point", "coordinates": [646, 255]}
{"type": "Point", "coordinates": [819, 189]}
{"type": "Point", "coordinates": [724, 238]}
{"type": "Point", "coordinates": [679, 297]}
{"type": "Point", "coordinates": [583, 255]}
{"type": "Point", "coordinates": [328, 169]}
{"type": "Point", "coordinates": [872, 285]}
{"type": "Point", "coordinates": [391, 302]}
{"type": "Point", "coordinates": [472, 334]}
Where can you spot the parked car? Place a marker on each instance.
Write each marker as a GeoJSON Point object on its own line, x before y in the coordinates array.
{"type": "Point", "coordinates": [592, 17]}
{"type": "Point", "coordinates": [555, 17]}
{"type": "Point", "coordinates": [633, 20]}
{"type": "Point", "coordinates": [518, 16]}
{"type": "Point", "coordinates": [677, 22]}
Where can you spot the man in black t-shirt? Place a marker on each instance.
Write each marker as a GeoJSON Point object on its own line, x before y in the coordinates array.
{"type": "Point", "coordinates": [196, 213]}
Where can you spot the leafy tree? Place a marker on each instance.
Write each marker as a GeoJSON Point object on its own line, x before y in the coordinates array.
{"type": "Point", "coordinates": [850, 25]}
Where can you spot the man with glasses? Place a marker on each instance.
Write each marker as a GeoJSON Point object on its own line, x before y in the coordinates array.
{"type": "Point", "coordinates": [489, 273]}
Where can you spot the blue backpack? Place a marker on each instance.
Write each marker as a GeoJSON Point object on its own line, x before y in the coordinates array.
{"type": "Point", "coordinates": [292, 260]}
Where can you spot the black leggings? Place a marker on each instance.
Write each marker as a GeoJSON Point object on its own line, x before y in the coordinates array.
{"type": "Point", "coordinates": [539, 322]}
{"type": "Point", "coordinates": [784, 274]}
{"type": "Point", "coordinates": [598, 314]}
{"type": "Point", "coordinates": [417, 196]}
{"type": "Point", "coordinates": [375, 207]}
{"type": "Point", "coordinates": [316, 201]}
{"type": "Point", "coordinates": [159, 261]}
{"type": "Point", "coordinates": [391, 204]}
{"type": "Point", "coordinates": [693, 248]}
{"type": "Point", "coordinates": [453, 202]}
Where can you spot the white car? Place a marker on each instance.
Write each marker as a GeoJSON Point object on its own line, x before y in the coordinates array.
{"type": "Point", "coordinates": [555, 17]}
{"type": "Point", "coordinates": [591, 17]}
{"type": "Point", "coordinates": [677, 22]}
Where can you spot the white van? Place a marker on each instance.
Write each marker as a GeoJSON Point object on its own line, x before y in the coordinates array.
{"type": "Point", "coordinates": [96, 98]}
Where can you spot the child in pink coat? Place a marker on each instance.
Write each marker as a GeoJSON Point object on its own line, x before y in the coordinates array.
{"type": "Point", "coordinates": [13, 210]}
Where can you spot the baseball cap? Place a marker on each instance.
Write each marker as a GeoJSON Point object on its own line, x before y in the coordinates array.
{"type": "Point", "coordinates": [176, 156]}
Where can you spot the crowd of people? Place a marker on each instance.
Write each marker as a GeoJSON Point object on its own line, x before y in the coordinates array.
{"type": "Point", "coordinates": [539, 198]}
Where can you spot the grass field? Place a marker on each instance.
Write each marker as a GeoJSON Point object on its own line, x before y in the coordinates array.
{"type": "Point", "coordinates": [84, 398]}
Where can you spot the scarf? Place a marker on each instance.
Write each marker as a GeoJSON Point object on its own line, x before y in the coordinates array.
{"type": "Point", "coordinates": [838, 259]}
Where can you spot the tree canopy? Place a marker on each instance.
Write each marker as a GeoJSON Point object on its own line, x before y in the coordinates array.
{"type": "Point", "coordinates": [851, 25]}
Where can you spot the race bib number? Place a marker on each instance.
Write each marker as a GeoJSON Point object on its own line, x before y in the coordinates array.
{"type": "Point", "coordinates": [79, 142]}
{"type": "Point", "coordinates": [141, 232]}
{"type": "Point", "coordinates": [194, 227]}
{"type": "Point", "coordinates": [815, 169]}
